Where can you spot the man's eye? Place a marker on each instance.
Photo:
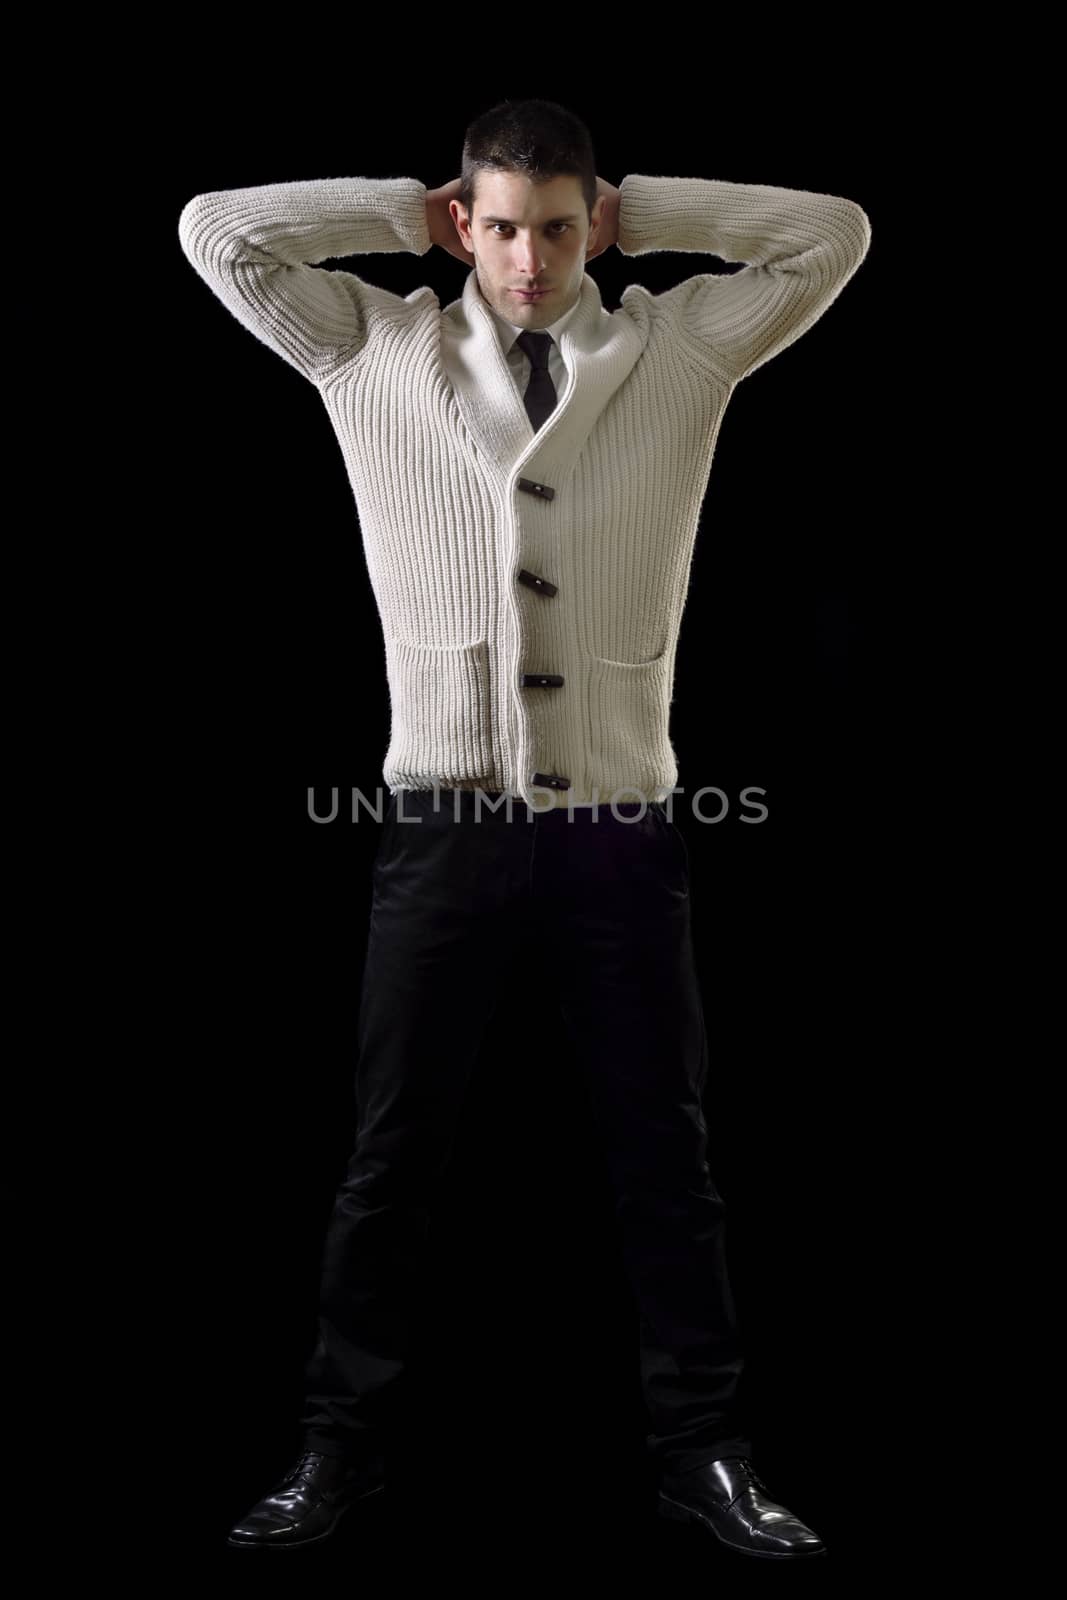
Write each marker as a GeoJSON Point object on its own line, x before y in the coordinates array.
{"type": "Point", "coordinates": [553, 225]}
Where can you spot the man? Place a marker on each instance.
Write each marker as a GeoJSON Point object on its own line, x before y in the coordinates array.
{"type": "Point", "coordinates": [528, 471]}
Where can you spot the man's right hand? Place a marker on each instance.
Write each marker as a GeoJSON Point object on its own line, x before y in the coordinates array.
{"type": "Point", "coordinates": [443, 230]}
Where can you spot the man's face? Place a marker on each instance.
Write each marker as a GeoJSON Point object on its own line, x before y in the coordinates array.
{"type": "Point", "coordinates": [524, 236]}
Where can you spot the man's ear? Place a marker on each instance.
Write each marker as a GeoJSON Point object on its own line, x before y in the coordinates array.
{"type": "Point", "coordinates": [459, 217]}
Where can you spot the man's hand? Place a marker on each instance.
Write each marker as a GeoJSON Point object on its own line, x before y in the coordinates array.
{"type": "Point", "coordinates": [443, 230]}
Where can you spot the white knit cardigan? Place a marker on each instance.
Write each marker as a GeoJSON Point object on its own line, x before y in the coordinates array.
{"type": "Point", "coordinates": [500, 556]}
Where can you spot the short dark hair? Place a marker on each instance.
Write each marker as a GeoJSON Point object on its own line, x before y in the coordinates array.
{"type": "Point", "coordinates": [536, 137]}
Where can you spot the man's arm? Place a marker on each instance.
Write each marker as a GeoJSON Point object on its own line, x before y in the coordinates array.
{"type": "Point", "coordinates": [800, 250]}
{"type": "Point", "coordinates": [254, 248]}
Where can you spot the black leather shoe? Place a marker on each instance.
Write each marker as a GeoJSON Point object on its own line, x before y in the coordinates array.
{"type": "Point", "coordinates": [307, 1504]}
{"type": "Point", "coordinates": [724, 1497]}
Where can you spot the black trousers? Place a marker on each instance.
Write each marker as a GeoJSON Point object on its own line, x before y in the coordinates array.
{"type": "Point", "coordinates": [455, 885]}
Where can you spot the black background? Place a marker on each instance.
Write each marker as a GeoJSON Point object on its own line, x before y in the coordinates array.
{"type": "Point", "coordinates": [527, 1426]}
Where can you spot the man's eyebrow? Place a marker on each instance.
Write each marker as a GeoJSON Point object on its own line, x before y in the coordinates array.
{"type": "Point", "coordinates": [510, 224]}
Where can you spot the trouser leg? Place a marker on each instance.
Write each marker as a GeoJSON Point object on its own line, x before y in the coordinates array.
{"type": "Point", "coordinates": [613, 898]}
{"type": "Point", "coordinates": [444, 899]}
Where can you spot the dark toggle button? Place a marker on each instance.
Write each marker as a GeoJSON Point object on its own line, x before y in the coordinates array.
{"type": "Point", "coordinates": [551, 780]}
{"type": "Point", "coordinates": [540, 489]}
{"type": "Point", "coordinates": [541, 680]}
{"type": "Point", "coordinates": [532, 581]}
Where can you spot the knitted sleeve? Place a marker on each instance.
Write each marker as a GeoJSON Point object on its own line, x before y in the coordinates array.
{"type": "Point", "coordinates": [255, 248]}
{"type": "Point", "coordinates": [799, 250]}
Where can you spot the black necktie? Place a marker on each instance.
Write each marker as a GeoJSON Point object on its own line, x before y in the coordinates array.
{"type": "Point", "coordinates": [540, 396]}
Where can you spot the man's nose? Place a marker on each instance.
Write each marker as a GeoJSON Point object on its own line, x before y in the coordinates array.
{"type": "Point", "coordinates": [530, 259]}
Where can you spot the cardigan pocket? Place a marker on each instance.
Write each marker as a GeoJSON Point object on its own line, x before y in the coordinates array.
{"type": "Point", "coordinates": [441, 730]}
{"type": "Point", "coordinates": [630, 721]}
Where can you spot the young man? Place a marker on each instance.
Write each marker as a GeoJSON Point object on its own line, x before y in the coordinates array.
{"type": "Point", "coordinates": [528, 470]}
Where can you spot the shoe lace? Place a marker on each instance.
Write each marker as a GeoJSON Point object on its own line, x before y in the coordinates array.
{"type": "Point", "coordinates": [302, 1469]}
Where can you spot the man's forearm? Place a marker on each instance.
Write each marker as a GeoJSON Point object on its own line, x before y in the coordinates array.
{"type": "Point", "coordinates": [756, 223]}
{"type": "Point", "coordinates": [305, 222]}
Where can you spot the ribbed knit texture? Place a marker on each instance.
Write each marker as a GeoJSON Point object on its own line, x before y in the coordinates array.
{"type": "Point", "coordinates": [436, 439]}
